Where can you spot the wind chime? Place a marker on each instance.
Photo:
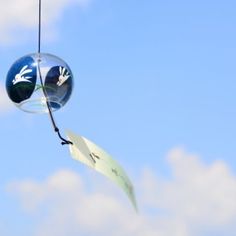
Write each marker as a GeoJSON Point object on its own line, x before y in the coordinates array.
{"type": "Point", "coordinates": [43, 83]}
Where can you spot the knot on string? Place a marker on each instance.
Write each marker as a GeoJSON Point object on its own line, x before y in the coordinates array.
{"type": "Point", "coordinates": [64, 141]}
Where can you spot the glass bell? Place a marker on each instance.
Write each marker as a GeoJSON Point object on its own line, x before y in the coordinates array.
{"type": "Point", "coordinates": [37, 79]}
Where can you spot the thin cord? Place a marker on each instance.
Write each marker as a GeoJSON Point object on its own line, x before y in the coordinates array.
{"type": "Point", "coordinates": [39, 26]}
{"type": "Point", "coordinates": [64, 141]}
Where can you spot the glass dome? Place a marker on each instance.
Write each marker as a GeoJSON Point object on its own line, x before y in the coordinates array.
{"type": "Point", "coordinates": [37, 79]}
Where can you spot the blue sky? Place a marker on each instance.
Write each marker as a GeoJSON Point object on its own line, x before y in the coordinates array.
{"type": "Point", "coordinates": [154, 86]}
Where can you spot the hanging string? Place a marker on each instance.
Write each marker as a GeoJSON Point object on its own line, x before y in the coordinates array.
{"type": "Point", "coordinates": [39, 26]}
{"type": "Point", "coordinates": [64, 141]}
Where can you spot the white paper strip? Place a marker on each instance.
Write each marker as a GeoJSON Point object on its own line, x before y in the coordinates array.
{"type": "Point", "coordinates": [90, 154]}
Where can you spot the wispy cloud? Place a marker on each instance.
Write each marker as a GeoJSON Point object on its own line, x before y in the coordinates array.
{"type": "Point", "coordinates": [198, 196]}
{"type": "Point", "coordinates": [198, 199]}
{"type": "Point", "coordinates": [5, 104]}
{"type": "Point", "coordinates": [18, 15]}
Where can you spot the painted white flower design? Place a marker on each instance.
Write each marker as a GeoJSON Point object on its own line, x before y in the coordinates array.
{"type": "Point", "coordinates": [64, 76]}
{"type": "Point", "coordinates": [22, 76]}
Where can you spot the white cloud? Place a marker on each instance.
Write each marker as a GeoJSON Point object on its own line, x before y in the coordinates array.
{"type": "Point", "coordinates": [5, 103]}
{"type": "Point", "coordinates": [196, 200]}
{"type": "Point", "coordinates": [18, 15]}
{"type": "Point", "coordinates": [200, 196]}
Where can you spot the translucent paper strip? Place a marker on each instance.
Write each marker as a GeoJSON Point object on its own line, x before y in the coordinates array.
{"type": "Point", "coordinates": [90, 154]}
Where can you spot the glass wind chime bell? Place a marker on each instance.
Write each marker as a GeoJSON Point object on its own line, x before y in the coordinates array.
{"type": "Point", "coordinates": [39, 80]}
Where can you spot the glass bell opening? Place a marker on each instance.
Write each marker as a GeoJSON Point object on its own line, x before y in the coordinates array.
{"type": "Point", "coordinates": [37, 80]}
{"type": "Point", "coordinates": [39, 105]}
